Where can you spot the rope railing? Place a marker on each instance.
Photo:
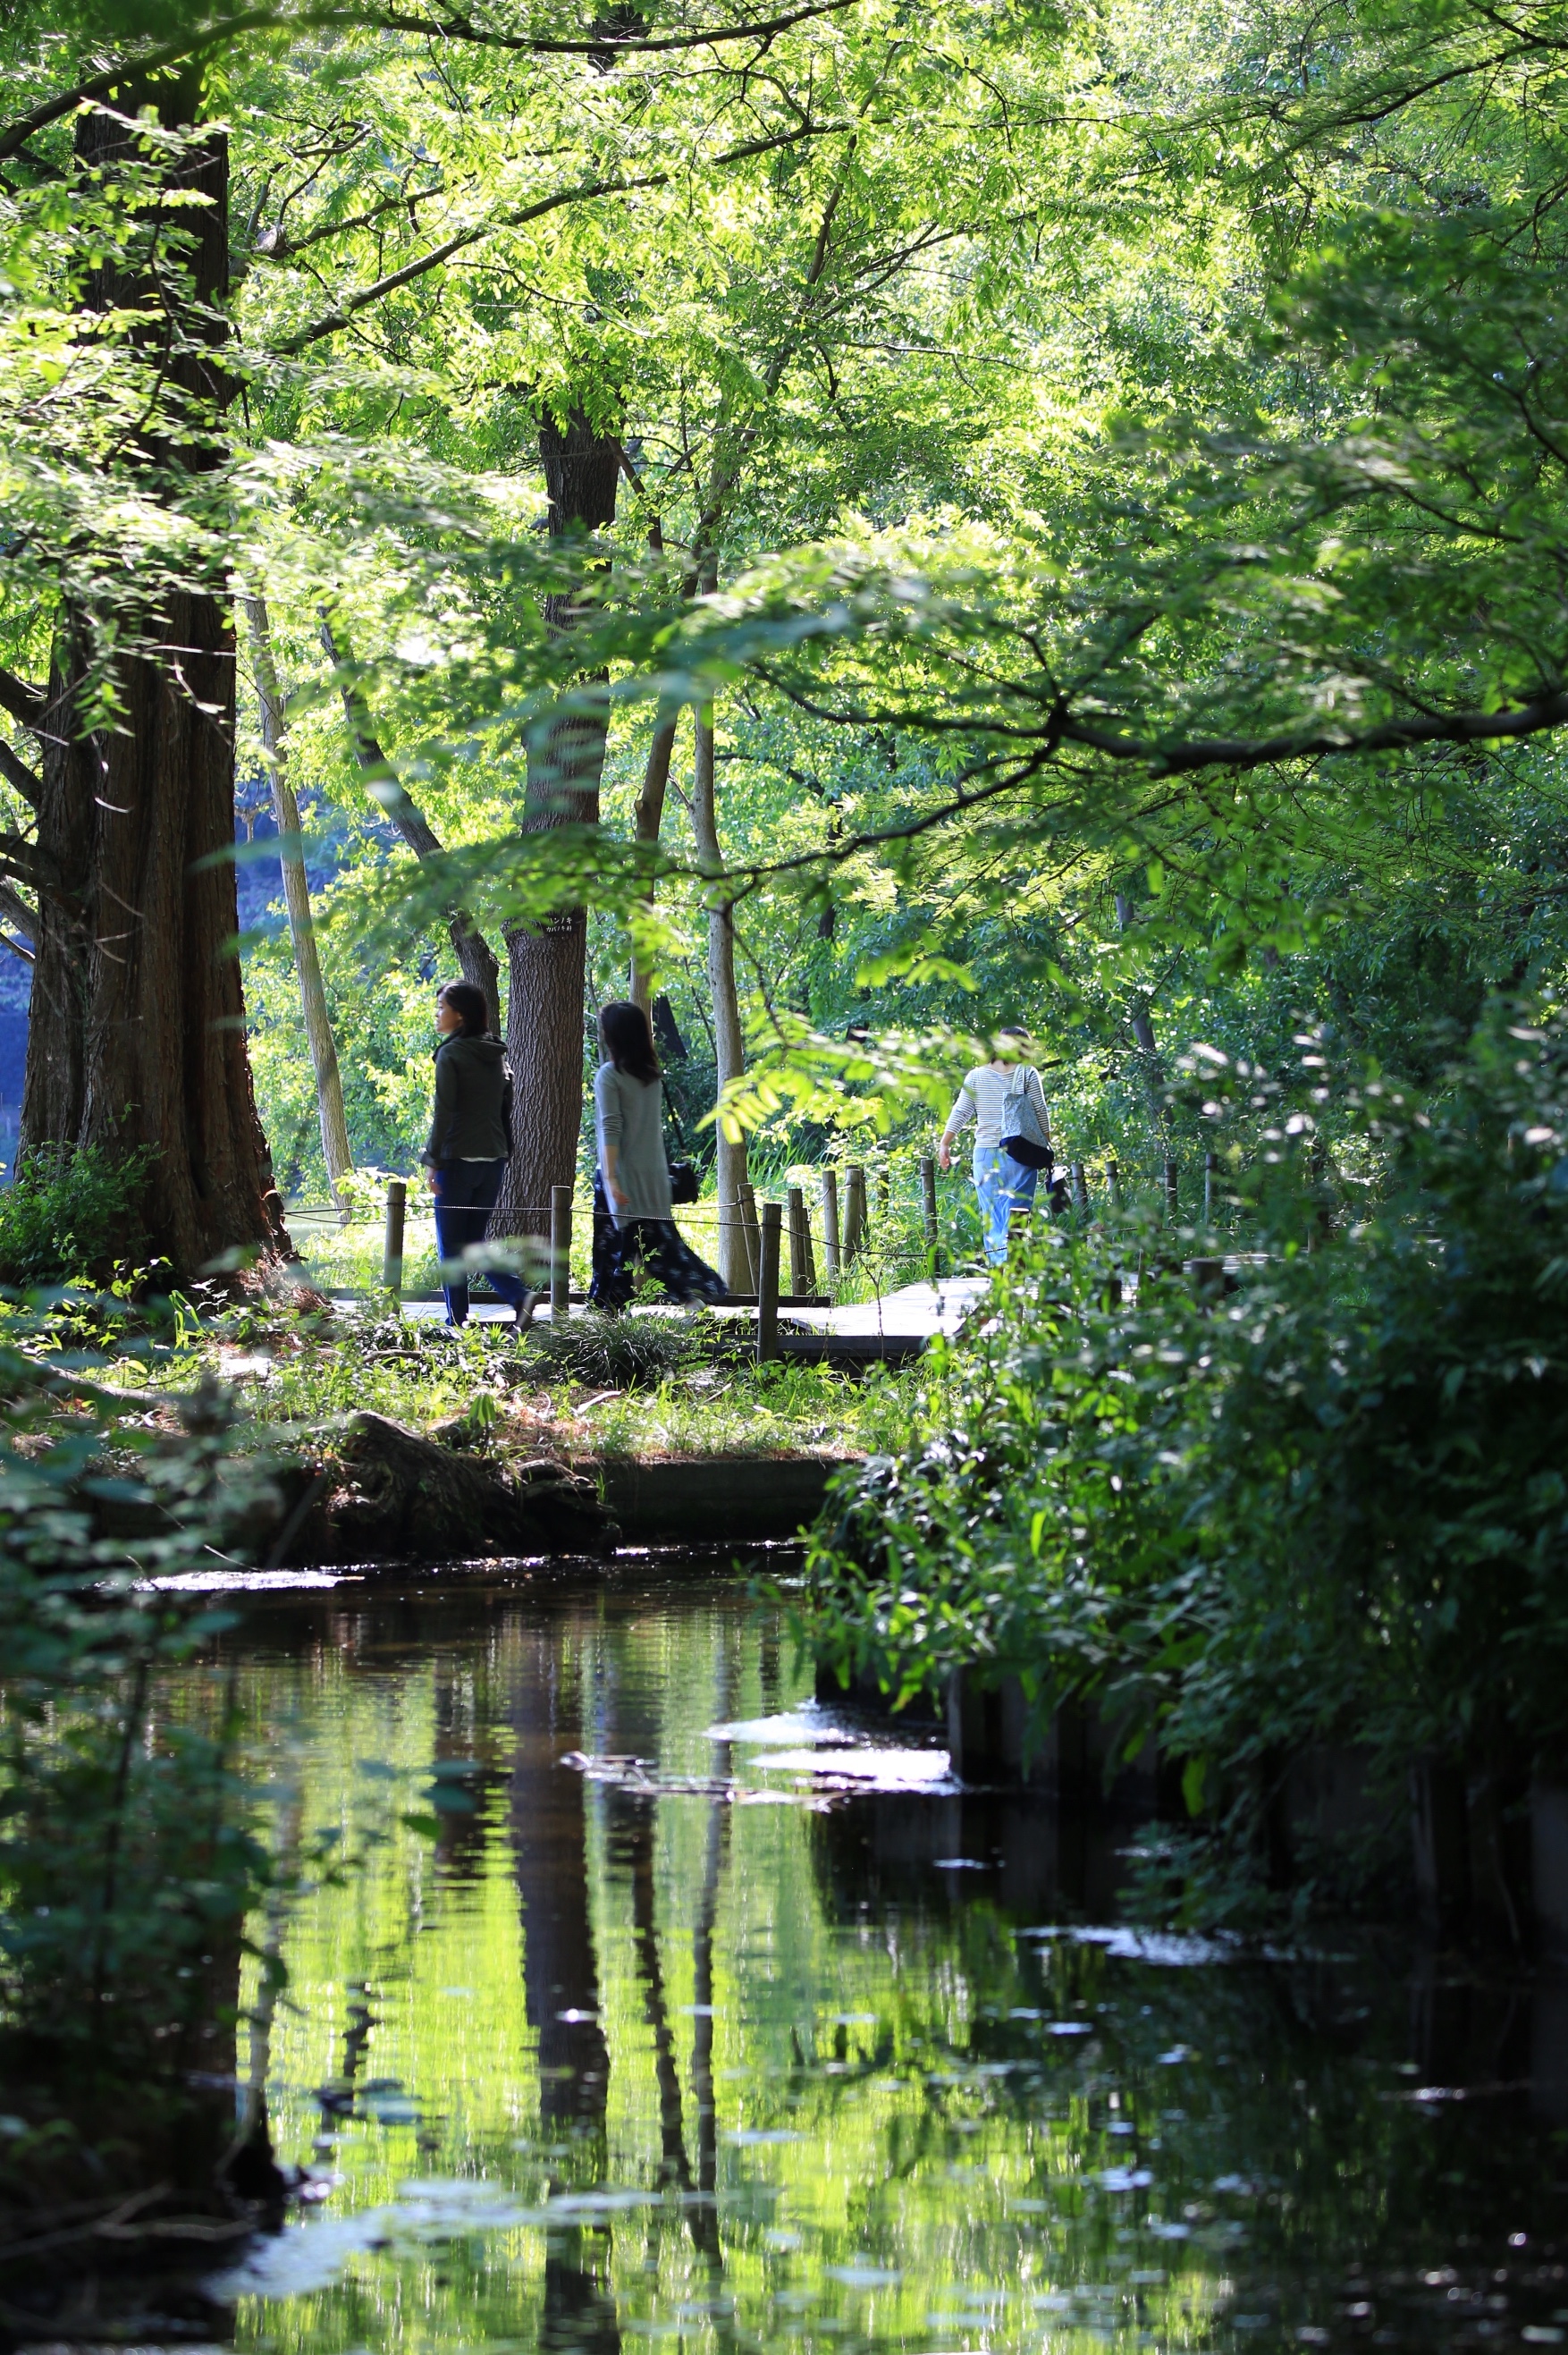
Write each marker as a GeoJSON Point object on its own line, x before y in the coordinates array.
{"type": "Point", "coordinates": [840, 1236]}
{"type": "Point", "coordinates": [852, 1225]}
{"type": "Point", "coordinates": [776, 1234]}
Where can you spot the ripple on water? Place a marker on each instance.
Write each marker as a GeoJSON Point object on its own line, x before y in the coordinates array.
{"type": "Point", "coordinates": [753, 2029]}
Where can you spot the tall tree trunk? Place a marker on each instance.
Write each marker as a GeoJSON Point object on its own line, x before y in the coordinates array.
{"type": "Point", "coordinates": [137, 1028]}
{"type": "Point", "coordinates": [649, 819]}
{"type": "Point", "coordinates": [1142, 1020]}
{"type": "Point", "coordinates": [1142, 1032]}
{"type": "Point", "coordinates": [544, 1007]}
{"type": "Point", "coordinates": [734, 1255]}
{"type": "Point", "coordinates": [334, 1146]}
{"type": "Point", "coordinates": [476, 959]}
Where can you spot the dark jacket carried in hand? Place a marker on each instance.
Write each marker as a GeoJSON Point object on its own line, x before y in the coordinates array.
{"type": "Point", "coordinates": [473, 1118]}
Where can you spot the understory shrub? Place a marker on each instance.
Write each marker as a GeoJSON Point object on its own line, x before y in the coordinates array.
{"type": "Point", "coordinates": [71, 1213]}
{"type": "Point", "coordinates": [1332, 1507]}
{"type": "Point", "coordinates": [127, 1861]}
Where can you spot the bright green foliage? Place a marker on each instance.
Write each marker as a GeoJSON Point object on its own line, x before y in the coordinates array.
{"type": "Point", "coordinates": [126, 1855]}
{"type": "Point", "coordinates": [67, 1216]}
{"type": "Point", "coordinates": [1329, 1507]}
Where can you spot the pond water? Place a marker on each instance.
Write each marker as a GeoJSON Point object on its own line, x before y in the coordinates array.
{"type": "Point", "coordinates": [662, 2006]}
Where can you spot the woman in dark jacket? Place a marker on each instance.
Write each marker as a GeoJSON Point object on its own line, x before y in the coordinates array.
{"type": "Point", "coordinates": [470, 1144]}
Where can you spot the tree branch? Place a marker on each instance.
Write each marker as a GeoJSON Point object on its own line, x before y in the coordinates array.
{"type": "Point", "coordinates": [461, 28]}
{"type": "Point", "coordinates": [585, 192]}
{"type": "Point", "coordinates": [17, 134]}
{"type": "Point", "coordinates": [24, 704]}
{"type": "Point", "coordinates": [473, 951]}
{"type": "Point", "coordinates": [1175, 758]}
{"type": "Point", "coordinates": [17, 773]}
{"type": "Point", "coordinates": [20, 913]}
{"type": "Point", "coordinates": [18, 858]}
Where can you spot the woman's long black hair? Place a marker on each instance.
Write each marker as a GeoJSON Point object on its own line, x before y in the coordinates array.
{"type": "Point", "coordinates": [626, 1038]}
{"type": "Point", "coordinates": [464, 998]}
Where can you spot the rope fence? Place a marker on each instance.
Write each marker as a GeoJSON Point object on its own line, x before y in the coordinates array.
{"type": "Point", "coordinates": [840, 1224]}
{"type": "Point", "coordinates": [847, 1221]}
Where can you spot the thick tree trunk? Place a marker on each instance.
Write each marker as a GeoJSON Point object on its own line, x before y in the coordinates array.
{"type": "Point", "coordinates": [729, 1039]}
{"type": "Point", "coordinates": [137, 1018]}
{"type": "Point", "coordinates": [137, 1031]}
{"type": "Point", "coordinates": [334, 1146]}
{"type": "Point", "coordinates": [545, 1001]}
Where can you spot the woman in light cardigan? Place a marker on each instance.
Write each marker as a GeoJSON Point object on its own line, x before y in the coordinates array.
{"type": "Point", "coordinates": [1001, 1184]}
{"type": "Point", "coordinates": [632, 1225]}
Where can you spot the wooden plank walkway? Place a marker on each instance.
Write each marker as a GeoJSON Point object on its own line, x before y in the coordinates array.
{"type": "Point", "coordinates": [892, 1329]}
{"type": "Point", "coordinates": [897, 1327]}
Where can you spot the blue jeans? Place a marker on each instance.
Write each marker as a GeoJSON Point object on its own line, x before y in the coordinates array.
{"type": "Point", "coordinates": [1003, 1186]}
{"type": "Point", "coordinates": [466, 1193]}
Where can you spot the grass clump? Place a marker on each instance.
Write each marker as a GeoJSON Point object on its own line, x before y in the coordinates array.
{"type": "Point", "coordinates": [683, 1383]}
{"type": "Point", "coordinates": [769, 1410]}
{"type": "Point", "coordinates": [626, 1353]}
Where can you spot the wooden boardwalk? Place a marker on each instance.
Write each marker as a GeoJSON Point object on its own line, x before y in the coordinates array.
{"type": "Point", "coordinates": [893, 1329]}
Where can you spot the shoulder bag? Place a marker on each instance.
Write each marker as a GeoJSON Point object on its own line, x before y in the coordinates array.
{"type": "Point", "coordinates": [1023, 1133]}
{"type": "Point", "coordinates": [684, 1182]}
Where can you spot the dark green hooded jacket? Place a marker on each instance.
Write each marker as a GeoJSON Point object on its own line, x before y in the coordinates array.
{"type": "Point", "coordinates": [473, 1118]}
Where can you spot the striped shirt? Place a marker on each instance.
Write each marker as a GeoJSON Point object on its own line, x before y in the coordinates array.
{"type": "Point", "coordinates": [980, 1101]}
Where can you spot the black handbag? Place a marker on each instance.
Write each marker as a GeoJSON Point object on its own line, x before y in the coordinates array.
{"type": "Point", "coordinates": [684, 1180]}
{"type": "Point", "coordinates": [1030, 1152]}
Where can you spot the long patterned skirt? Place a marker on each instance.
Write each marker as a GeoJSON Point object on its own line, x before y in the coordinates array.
{"type": "Point", "coordinates": [645, 1247]}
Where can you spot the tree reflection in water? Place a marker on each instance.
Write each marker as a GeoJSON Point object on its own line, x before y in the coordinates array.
{"type": "Point", "coordinates": [616, 2057]}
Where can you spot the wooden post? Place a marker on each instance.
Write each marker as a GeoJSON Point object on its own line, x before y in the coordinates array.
{"type": "Point", "coordinates": [1114, 1181]}
{"type": "Point", "coordinates": [855, 1214]}
{"type": "Point", "coordinates": [1170, 1200]}
{"type": "Point", "coordinates": [928, 1208]}
{"type": "Point", "coordinates": [802, 1273]}
{"type": "Point", "coordinates": [1208, 1190]}
{"type": "Point", "coordinates": [768, 1286]}
{"type": "Point", "coordinates": [749, 1230]}
{"type": "Point", "coordinates": [831, 1258]}
{"type": "Point", "coordinates": [1080, 1188]}
{"type": "Point", "coordinates": [1207, 1277]}
{"type": "Point", "coordinates": [559, 1254]}
{"type": "Point", "coordinates": [392, 1256]}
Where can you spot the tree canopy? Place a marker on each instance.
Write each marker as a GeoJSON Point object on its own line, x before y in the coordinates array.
{"type": "Point", "coordinates": [1100, 465]}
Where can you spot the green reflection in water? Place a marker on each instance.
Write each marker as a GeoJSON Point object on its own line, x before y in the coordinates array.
{"type": "Point", "coordinates": [704, 2051]}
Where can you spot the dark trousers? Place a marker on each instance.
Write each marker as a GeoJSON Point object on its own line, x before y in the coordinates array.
{"type": "Point", "coordinates": [466, 1193]}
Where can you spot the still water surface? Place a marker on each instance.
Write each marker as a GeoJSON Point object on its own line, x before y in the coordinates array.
{"type": "Point", "coordinates": [666, 2006]}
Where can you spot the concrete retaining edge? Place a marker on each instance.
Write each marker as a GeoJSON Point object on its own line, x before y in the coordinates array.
{"type": "Point", "coordinates": [712, 1499]}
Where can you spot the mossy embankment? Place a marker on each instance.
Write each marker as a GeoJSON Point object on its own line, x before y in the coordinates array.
{"type": "Point", "coordinates": [401, 1440]}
